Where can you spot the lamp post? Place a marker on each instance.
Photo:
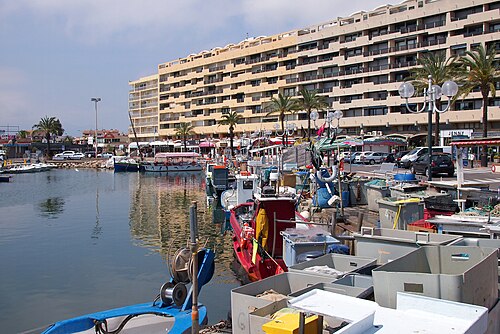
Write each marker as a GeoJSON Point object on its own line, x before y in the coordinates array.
{"type": "Point", "coordinates": [362, 133]}
{"type": "Point", "coordinates": [154, 141]}
{"type": "Point", "coordinates": [288, 131]}
{"type": "Point", "coordinates": [95, 100]}
{"type": "Point", "coordinates": [431, 94]}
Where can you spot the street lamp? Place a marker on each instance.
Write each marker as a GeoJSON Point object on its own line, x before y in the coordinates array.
{"type": "Point", "coordinates": [154, 142]}
{"type": "Point", "coordinates": [288, 131]}
{"type": "Point", "coordinates": [95, 100]}
{"type": "Point", "coordinates": [314, 117]}
{"type": "Point", "coordinates": [431, 94]}
{"type": "Point", "coordinates": [330, 116]}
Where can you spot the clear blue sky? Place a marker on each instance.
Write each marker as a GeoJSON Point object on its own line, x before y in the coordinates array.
{"type": "Point", "coordinates": [57, 54]}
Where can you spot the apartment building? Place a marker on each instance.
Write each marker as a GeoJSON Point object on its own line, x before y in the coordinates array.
{"type": "Point", "coordinates": [357, 62]}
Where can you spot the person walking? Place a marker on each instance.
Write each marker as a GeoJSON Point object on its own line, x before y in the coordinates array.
{"type": "Point", "coordinates": [471, 159]}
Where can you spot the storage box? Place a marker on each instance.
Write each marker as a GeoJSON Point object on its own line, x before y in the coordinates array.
{"type": "Point", "coordinates": [374, 193]}
{"type": "Point", "coordinates": [244, 300]}
{"type": "Point", "coordinates": [262, 315]}
{"type": "Point", "coordinates": [289, 324]}
{"type": "Point", "coordinates": [299, 241]}
{"type": "Point", "coordinates": [357, 192]}
{"type": "Point", "coordinates": [462, 274]}
{"type": "Point", "coordinates": [342, 263]}
{"type": "Point", "coordinates": [387, 245]}
{"type": "Point", "coordinates": [347, 286]}
{"type": "Point", "coordinates": [398, 214]}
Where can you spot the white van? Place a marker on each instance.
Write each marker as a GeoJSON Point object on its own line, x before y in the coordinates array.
{"type": "Point", "coordinates": [413, 155]}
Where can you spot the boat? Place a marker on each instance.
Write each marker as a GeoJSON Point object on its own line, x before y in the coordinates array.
{"type": "Point", "coordinates": [246, 186]}
{"type": "Point", "coordinates": [4, 178]}
{"type": "Point", "coordinates": [173, 162]}
{"type": "Point", "coordinates": [257, 226]}
{"type": "Point", "coordinates": [126, 165]}
{"type": "Point", "coordinates": [171, 312]}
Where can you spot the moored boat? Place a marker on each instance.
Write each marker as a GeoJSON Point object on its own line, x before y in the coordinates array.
{"type": "Point", "coordinates": [171, 312]}
{"type": "Point", "coordinates": [126, 165]}
{"type": "Point", "coordinates": [173, 162]}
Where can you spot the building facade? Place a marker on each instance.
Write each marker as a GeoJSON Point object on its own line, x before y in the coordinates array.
{"type": "Point", "coordinates": [357, 62]}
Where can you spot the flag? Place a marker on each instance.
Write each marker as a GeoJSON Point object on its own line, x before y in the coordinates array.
{"type": "Point", "coordinates": [321, 129]}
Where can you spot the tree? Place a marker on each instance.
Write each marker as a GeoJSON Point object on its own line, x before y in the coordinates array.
{"type": "Point", "coordinates": [282, 105]}
{"type": "Point", "coordinates": [184, 130]}
{"type": "Point", "coordinates": [232, 118]}
{"type": "Point", "coordinates": [479, 70]}
{"type": "Point", "coordinates": [310, 101]}
{"type": "Point", "coordinates": [441, 70]}
{"type": "Point", "coordinates": [22, 134]}
{"type": "Point", "coordinates": [50, 126]}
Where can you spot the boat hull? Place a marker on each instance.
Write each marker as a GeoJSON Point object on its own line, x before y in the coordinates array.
{"type": "Point", "coordinates": [145, 318]}
{"type": "Point", "coordinates": [172, 168]}
{"type": "Point", "coordinates": [126, 167]}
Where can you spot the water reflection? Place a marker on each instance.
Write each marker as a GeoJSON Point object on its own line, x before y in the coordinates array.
{"type": "Point", "coordinates": [97, 230]}
{"type": "Point", "coordinates": [51, 207]}
{"type": "Point", "coordinates": [159, 216]}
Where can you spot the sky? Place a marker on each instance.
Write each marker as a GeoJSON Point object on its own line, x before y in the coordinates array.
{"type": "Point", "coordinates": [55, 55]}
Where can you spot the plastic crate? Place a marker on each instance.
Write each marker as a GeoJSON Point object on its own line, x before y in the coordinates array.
{"type": "Point", "coordinates": [357, 192]}
{"type": "Point", "coordinates": [398, 214]}
{"type": "Point", "coordinates": [244, 300]}
{"type": "Point", "coordinates": [342, 263]}
{"type": "Point", "coordinates": [462, 274]}
{"type": "Point", "coordinates": [387, 245]}
{"type": "Point", "coordinates": [299, 241]}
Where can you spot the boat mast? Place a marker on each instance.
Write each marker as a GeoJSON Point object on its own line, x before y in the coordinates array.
{"type": "Point", "coordinates": [135, 136]}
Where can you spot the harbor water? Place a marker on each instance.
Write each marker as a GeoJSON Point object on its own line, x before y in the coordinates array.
{"type": "Point", "coordinates": [79, 241]}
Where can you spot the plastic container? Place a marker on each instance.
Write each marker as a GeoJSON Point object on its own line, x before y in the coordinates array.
{"type": "Point", "coordinates": [407, 177]}
{"type": "Point", "coordinates": [298, 241]}
{"type": "Point", "coordinates": [396, 213]}
{"type": "Point", "coordinates": [244, 298]}
{"type": "Point", "coordinates": [388, 244]}
{"type": "Point", "coordinates": [357, 192]}
{"type": "Point", "coordinates": [462, 274]}
{"type": "Point", "coordinates": [480, 242]}
{"type": "Point", "coordinates": [374, 193]}
{"type": "Point", "coordinates": [343, 263]}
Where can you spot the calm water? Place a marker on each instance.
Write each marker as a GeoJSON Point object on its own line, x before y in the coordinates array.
{"type": "Point", "coordinates": [75, 242]}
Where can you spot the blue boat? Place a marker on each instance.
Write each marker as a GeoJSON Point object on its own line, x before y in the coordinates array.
{"type": "Point", "coordinates": [127, 165]}
{"type": "Point", "coordinates": [170, 312]}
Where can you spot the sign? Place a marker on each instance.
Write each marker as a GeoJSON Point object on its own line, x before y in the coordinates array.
{"type": "Point", "coordinates": [456, 133]}
{"type": "Point", "coordinates": [90, 140]}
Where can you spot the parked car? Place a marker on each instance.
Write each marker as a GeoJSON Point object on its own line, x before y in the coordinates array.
{"type": "Point", "coordinates": [371, 157]}
{"type": "Point", "coordinates": [388, 157]}
{"type": "Point", "coordinates": [441, 163]}
{"type": "Point", "coordinates": [77, 156]}
{"type": "Point", "coordinates": [398, 156]}
{"type": "Point", "coordinates": [64, 155]}
{"type": "Point", "coordinates": [106, 155]}
{"type": "Point", "coordinates": [352, 157]}
{"type": "Point", "coordinates": [410, 157]}
{"type": "Point", "coordinates": [89, 154]}
{"type": "Point", "coordinates": [345, 155]}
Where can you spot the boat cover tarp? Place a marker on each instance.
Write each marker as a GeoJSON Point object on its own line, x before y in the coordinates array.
{"type": "Point", "coordinates": [262, 228]}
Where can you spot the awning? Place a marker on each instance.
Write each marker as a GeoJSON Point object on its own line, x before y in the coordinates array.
{"type": "Point", "coordinates": [141, 144]}
{"type": "Point", "coordinates": [477, 142]}
{"type": "Point", "coordinates": [160, 143]}
{"type": "Point", "coordinates": [385, 141]}
{"type": "Point", "coordinates": [207, 144]}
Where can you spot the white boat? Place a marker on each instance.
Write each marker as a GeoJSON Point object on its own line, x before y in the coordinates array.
{"type": "Point", "coordinates": [173, 162]}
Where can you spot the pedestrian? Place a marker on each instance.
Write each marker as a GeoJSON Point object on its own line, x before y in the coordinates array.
{"type": "Point", "coordinates": [471, 159]}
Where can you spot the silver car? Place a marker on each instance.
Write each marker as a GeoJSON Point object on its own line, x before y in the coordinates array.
{"type": "Point", "coordinates": [372, 157]}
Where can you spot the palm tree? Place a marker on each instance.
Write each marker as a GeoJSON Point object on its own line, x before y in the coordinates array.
{"type": "Point", "coordinates": [441, 70]}
{"type": "Point", "coordinates": [50, 126]}
{"type": "Point", "coordinates": [184, 130]}
{"type": "Point", "coordinates": [479, 70]}
{"type": "Point", "coordinates": [310, 101]}
{"type": "Point", "coordinates": [282, 105]}
{"type": "Point", "coordinates": [232, 118]}
{"type": "Point", "coordinates": [22, 134]}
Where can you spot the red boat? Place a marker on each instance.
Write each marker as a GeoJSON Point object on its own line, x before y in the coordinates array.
{"type": "Point", "coordinates": [257, 241]}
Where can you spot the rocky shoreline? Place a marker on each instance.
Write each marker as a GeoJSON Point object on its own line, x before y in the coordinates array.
{"type": "Point", "coordinates": [70, 164]}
